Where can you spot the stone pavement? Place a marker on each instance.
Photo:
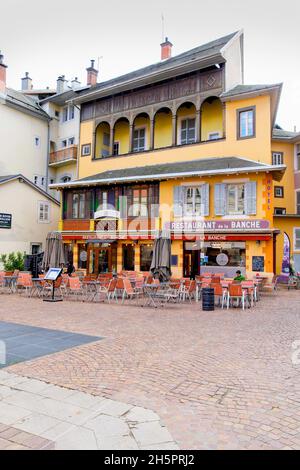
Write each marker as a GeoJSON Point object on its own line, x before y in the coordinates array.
{"type": "Point", "coordinates": [37, 415]}
{"type": "Point", "coordinates": [218, 380]}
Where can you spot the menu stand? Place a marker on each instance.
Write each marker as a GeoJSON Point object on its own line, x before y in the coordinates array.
{"type": "Point", "coordinates": [52, 275]}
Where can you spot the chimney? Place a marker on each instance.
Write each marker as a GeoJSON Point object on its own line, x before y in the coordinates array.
{"type": "Point", "coordinates": [26, 82]}
{"type": "Point", "coordinates": [92, 74]}
{"type": "Point", "coordinates": [60, 84]}
{"type": "Point", "coordinates": [166, 49]}
{"type": "Point", "coordinates": [75, 84]}
{"type": "Point", "coordinates": [3, 68]}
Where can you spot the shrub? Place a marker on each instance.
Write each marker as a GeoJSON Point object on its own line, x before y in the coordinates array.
{"type": "Point", "coordinates": [13, 261]}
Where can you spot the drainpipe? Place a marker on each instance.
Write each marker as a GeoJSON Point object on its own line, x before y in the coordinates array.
{"type": "Point", "coordinates": [48, 157]}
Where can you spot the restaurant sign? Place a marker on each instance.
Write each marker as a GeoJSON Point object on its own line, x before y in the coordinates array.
{"type": "Point", "coordinates": [5, 220]}
{"type": "Point", "coordinates": [215, 225]}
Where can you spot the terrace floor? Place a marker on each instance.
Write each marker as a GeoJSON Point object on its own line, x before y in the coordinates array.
{"type": "Point", "coordinates": [216, 380]}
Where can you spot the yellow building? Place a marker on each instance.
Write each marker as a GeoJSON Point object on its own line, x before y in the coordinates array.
{"type": "Point", "coordinates": [185, 147]}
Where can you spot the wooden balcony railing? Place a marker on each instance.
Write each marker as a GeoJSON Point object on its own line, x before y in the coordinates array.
{"type": "Point", "coordinates": [63, 155]}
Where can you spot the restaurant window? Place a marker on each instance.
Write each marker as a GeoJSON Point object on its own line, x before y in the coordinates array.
{"type": "Point", "coordinates": [277, 158]}
{"type": "Point", "coordinates": [78, 206]}
{"type": "Point", "coordinates": [278, 191]}
{"type": "Point", "coordinates": [139, 140]}
{"type": "Point", "coordinates": [246, 123]}
{"type": "Point", "coordinates": [297, 238]}
{"type": "Point", "coordinates": [82, 256]}
{"type": "Point", "coordinates": [146, 252]}
{"type": "Point", "coordinates": [235, 199]}
{"type": "Point", "coordinates": [188, 131]}
{"type": "Point", "coordinates": [128, 257]}
{"type": "Point", "coordinates": [68, 252]}
{"type": "Point", "coordinates": [192, 201]}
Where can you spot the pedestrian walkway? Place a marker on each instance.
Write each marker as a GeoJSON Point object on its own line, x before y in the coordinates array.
{"type": "Point", "coordinates": [37, 415]}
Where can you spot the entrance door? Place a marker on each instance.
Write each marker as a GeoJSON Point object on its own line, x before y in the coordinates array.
{"type": "Point", "coordinates": [191, 263]}
{"type": "Point", "coordinates": [99, 260]}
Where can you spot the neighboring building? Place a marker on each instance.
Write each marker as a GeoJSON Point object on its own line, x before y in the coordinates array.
{"type": "Point", "coordinates": [27, 214]}
{"type": "Point", "coordinates": [23, 134]}
{"type": "Point", "coordinates": [181, 145]}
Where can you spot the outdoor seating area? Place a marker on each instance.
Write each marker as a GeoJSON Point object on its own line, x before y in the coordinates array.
{"type": "Point", "coordinates": [140, 288]}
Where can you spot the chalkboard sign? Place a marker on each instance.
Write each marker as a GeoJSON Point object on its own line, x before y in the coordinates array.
{"type": "Point", "coordinates": [5, 220]}
{"type": "Point", "coordinates": [258, 264]}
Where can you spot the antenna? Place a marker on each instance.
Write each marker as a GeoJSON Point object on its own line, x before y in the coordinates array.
{"type": "Point", "coordinates": [163, 27]}
{"type": "Point", "coordinates": [98, 61]}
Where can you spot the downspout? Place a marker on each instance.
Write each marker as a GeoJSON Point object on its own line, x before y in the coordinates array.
{"type": "Point", "coordinates": [48, 157]}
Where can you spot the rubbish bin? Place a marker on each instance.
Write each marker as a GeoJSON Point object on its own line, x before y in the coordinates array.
{"type": "Point", "coordinates": [208, 299]}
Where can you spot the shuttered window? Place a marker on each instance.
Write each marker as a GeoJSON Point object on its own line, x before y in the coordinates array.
{"type": "Point", "coordinates": [188, 131]}
{"type": "Point", "coordinates": [191, 200]}
{"type": "Point", "coordinates": [235, 199]}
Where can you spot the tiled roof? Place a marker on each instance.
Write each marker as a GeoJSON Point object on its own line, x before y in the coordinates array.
{"type": "Point", "coordinates": [245, 89]}
{"type": "Point", "coordinates": [25, 102]}
{"type": "Point", "coordinates": [61, 98]}
{"type": "Point", "coordinates": [200, 52]}
{"type": "Point", "coordinates": [286, 135]}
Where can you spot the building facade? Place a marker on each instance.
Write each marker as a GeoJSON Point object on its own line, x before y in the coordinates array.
{"type": "Point", "coordinates": [184, 147]}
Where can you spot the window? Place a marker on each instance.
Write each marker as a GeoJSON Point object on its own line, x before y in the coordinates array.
{"type": "Point", "coordinates": [68, 113]}
{"type": "Point", "coordinates": [106, 139]}
{"type": "Point", "coordinates": [278, 191]}
{"type": "Point", "coordinates": [64, 143]}
{"type": "Point", "coordinates": [146, 252]}
{"type": "Point", "coordinates": [43, 212]}
{"type": "Point", "coordinates": [213, 135]}
{"type": "Point", "coordinates": [65, 179]}
{"type": "Point", "coordinates": [140, 203]}
{"type": "Point", "coordinates": [104, 200]}
{"type": "Point", "coordinates": [298, 156]}
{"type": "Point", "coordinates": [297, 238]}
{"type": "Point", "coordinates": [36, 248]}
{"type": "Point", "coordinates": [188, 131]}
{"type": "Point", "coordinates": [37, 141]}
{"type": "Point", "coordinates": [277, 158]}
{"type": "Point", "coordinates": [139, 140]}
{"type": "Point", "coordinates": [116, 148]}
{"type": "Point", "coordinates": [85, 150]}
{"type": "Point", "coordinates": [82, 256]}
{"type": "Point", "coordinates": [235, 199]}
{"type": "Point", "coordinates": [279, 211]}
{"type": "Point", "coordinates": [39, 180]}
{"type": "Point", "coordinates": [51, 180]}
{"type": "Point", "coordinates": [36, 179]}
{"type": "Point", "coordinates": [298, 202]}
{"type": "Point", "coordinates": [42, 181]}
{"type": "Point", "coordinates": [78, 206]}
{"type": "Point", "coordinates": [246, 123]}
{"type": "Point", "coordinates": [71, 141]}
{"type": "Point", "coordinates": [192, 201]}
{"type": "Point", "coordinates": [56, 113]}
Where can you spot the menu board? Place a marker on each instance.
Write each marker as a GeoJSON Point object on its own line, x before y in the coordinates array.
{"type": "Point", "coordinates": [5, 220]}
{"type": "Point", "coordinates": [53, 274]}
{"type": "Point", "coordinates": [258, 264]}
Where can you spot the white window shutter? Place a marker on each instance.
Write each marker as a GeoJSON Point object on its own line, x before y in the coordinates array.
{"type": "Point", "coordinates": [250, 198]}
{"type": "Point", "coordinates": [204, 199]}
{"type": "Point", "coordinates": [220, 199]}
{"type": "Point", "coordinates": [178, 200]}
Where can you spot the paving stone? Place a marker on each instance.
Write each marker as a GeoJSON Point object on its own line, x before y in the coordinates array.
{"type": "Point", "coordinates": [117, 443]}
{"type": "Point", "coordinates": [36, 423]}
{"type": "Point", "coordinates": [113, 408]}
{"type": "Point", "coordinates": [84, 400]}
{"type": "Point", "coordinates": [141, 415]}
{"type": "Point", "coordinates": [77, 439]}
{"type": "Point", "coordinates": [10, 414]}
{"type": "Point", "coordinates": [106, 426]}
{"type": "Point", "coordinates": [151, 433]}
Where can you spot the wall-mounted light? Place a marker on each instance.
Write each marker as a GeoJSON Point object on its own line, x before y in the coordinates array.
{"type": "Point", "coordinates": [218, 66]}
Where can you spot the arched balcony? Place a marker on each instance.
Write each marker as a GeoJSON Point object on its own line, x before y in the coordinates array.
{"type": "Point", "coordinates": [163, 128]}
{"type": "Point", "coordinates": [121, 141]}
{"type": "Point", "coordinates": [186, 124]}
{"type": "Point", "coordinates": [141, 135]}
{"type": "Point", "coordinates": [211, 119]}
{"type": "Point", "coordinates": [102, 140]}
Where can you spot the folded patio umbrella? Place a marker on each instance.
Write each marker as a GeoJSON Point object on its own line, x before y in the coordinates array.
{"type": "Point", "coordinates": [161, 259]}
{"type": "Point", "coordinates": [54, 256]}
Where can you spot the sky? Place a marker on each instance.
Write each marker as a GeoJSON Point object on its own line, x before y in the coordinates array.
{"type": "Point", "coordinates": [48, 39]}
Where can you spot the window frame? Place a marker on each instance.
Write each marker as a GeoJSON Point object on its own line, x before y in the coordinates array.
{"type": "Point", "coordinates": [89, 150]}
{"type": "Point", "coordinates": [282, 191]}
{"type": "Point", "coordinates": [179, 131]}
{"type": "Point", "coordinates": [277, 154]}
{"type": "Point", "coordinates": [43, 204]}
{"type": "Point", "coordinates": [236, 185]}
{"type": "Point", "coordinates": [238, 115]}
{"type": "Point", "coordinates": [297, 192]}
{"type": "Point", "coordinates": [295, 239]}
{"type": "Point", "coordinates": [283, 209]}
{"type": "Point", "coordinates": [118, 152]}
{"type": "Point", "coordinates": [138, 129]}
{"type": "Point", "coordinates": [194, 213]}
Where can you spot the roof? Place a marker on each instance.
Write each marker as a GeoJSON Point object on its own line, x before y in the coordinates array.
{"type": "Point", "coordinates": [7, 178]}
{"type": "Point", "coordinates": [203, 167]}
{"type": "Point", "coordinates": [25, 103]}
{"type": "Point", "coordinates": [209, 50]}
{"type": "Point", "coordinates": [280, 134]}
{"type": "Point", "coordinates": [246, 89]}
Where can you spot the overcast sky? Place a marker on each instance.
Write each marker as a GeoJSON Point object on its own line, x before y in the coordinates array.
{"type": "Point", "coordinates": [48, 39]}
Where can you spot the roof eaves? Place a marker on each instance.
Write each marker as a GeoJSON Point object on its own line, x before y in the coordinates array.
{"type": "Point", "coordinates": [30, 183]}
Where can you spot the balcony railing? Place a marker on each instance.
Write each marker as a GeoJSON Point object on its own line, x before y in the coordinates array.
{"type": "Point", "coordinates": [68, 154]}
